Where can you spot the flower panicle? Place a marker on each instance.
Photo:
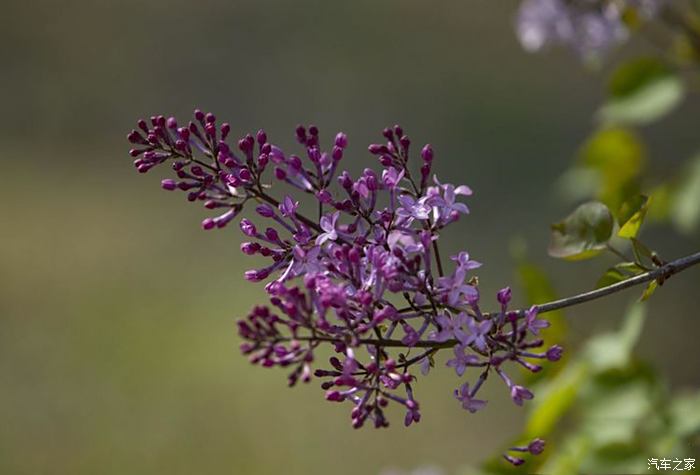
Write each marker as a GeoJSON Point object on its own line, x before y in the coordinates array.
{"type": "Point", "coordinates": [337, 278]}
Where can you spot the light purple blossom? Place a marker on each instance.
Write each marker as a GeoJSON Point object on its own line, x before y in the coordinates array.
{"type": "Point", "coordinates": [465, 396]}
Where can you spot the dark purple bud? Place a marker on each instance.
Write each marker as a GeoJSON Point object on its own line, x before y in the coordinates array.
{"type": "Point", "coordinates": [536, 447]}
{"type": "Point", "coordinates": [405, 142]}
{"type": "Point", "coordinates": [142, 125]}
{"type": "Point", "coordinates": [504, 296]}
{"type": "Point", "coordinates": [265, 211]}
{"type": "Point", "coordinates": [271, 234]}
{"type": "Point", "coordinates": [427, 153]}
{"type": "Point", "coordinates": [337, 153]}
{"type": "Point", "coordinates": [210, 118]}
{"type": "Point", "coordinates": [301, 134]}
{"type": "Point", "coordinates": [208, 223]}
{"type": "Point", "coordinates": [341, 140]}
{"type": "Point", "coordinates": [248, 227]}
{"type": "Point", "coordinates": [225, 129]}
{"type": "Point", "coordinates": [378, 149]}
{"type": "Point", "coordinates": [250, 248]}
{"type": "Point", "coordinates": [168, 184]}
{"type": "Point", "coordinates": [199, 115]}
{"type": "Point", "coordinates": [555, 353]}
{"type": "Point", "coordinates": [398, 130]}
{"type": "Point", "coordinates": [171, 123]}
{"type": "Point", "coordinates": [261, 137]}
{"type": "Point", "coordinates": [516, 461]}
{"type": "Point", "coordinates": [136, 138]}
{"type": "Point", "coordinates": [280, 174]}
{"type": "Point", "coordinates": [324, 196]}
{"type": "Point", "coordinates": [388, 134]}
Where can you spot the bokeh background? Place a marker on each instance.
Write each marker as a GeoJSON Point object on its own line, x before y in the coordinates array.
{"type": "Point", "coordinates": [118, 352]}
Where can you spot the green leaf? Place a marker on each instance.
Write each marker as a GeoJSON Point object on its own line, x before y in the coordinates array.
{"type": "Point", "coordinates": [643, 90]}
{"type": "Point", "coordinates": [685, 209]}
{"type": "Point", "coordinates": [613, 350]}
{"type": "Point", "coordinates": [583, 234]}
{"type": "Point", "coordinates": [649, 291]}
{"type": "Point", "coordinates": [631, 216]}
{"type": "Point", "coordinates": [618, 157]}
{"type": "Point", "coordinates": [685, 415]}
{"type": "Point", "coordinates": [554, 398]}
{"type": "Point", "coordinates": [618, 273]}
{"type": "Point", "coordinates": [641, 252]}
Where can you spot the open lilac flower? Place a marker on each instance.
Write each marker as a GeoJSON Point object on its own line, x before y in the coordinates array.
{"type": "Point", "coordinates": [364, 275]}
{"type": "Point", "coordinates": [591, 27]}
{"type": "Point", "coordinates": [466, 397]}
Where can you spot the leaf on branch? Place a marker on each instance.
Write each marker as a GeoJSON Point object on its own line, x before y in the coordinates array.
{"type": "Point", "coordinates": [618, 273]}
{"type": "Point", "coordinates": [642, 91]}
{"type": "Point", "coordinates": [583, 234]}
{"type": "Point", "coordinates": [649, 291]}
{"type": "Point", "coordinates": [631, 216]}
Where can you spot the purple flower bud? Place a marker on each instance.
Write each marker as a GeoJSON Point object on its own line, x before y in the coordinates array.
{"type": "Point", "coordinates": [171, 123]}
{"type": "Point", "coordinates": [248, 227]}
{"type": "Point", "coordinates": [265, 210]}
{"type": "Point", "coordinates": [555, 353]}
{"type": "Point", "coordinates": [280, 174]}
{"type": "Point", "coordinates": [341, 140]}
{"type": "Point", "coordinates": [324, 196]}
{"type": "Point", "coordinates": [427, 153]}
{"type": "Point", "coordinates": [208, 223]}
{"type": "Point", "coordinates": [271, 234]}
{"type": "Point", "coordinates": [199, 115]}
{"type": "Point", "coordinates": [301, 134]}
{"type": "Point", "coordinates": [250, 248]}
{"type": "Point", "coordinates": [261, 137]}
{"type": "Point", "coordinates": [504, 296]}
{"type": "Point", "coordinates": [516, 461]}
{"type": "Point", "coordinates": [210, 118]}
{"type": "Point", "coordinates": [225, 129]}
{"type": "Point", "coordinates": [519, 394]}
{"type": "Point", "coordinates": [536, 447]}
{"type": "Point", "coordinates": [405, 142]}
{"type": "Point", "coordinates": [169, 185]}
{"type": "Point", "coordinates": [378, 149]}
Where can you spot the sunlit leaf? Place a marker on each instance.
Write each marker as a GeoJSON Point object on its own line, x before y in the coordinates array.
{"type": "Point", "coordinates": [685, 210]}
{"type": "Point", "coordinates": [631, 216]}
{"type": "Point", "coordinates": [613, 350]}
{"type": "Point", "coordinates": [554, 398]}
{"type": "Point", "coordinates": [618, 157]}
{"type": "Point", "coordinates": [642, 91]}
{"type": "Point", "coordinates": [582, 234]}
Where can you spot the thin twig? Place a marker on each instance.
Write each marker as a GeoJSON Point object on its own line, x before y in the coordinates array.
{"type": "Point", "coordinates": [659, 274]}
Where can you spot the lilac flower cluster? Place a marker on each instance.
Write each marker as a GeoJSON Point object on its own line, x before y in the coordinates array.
{"type": "Point", "coordinates": [591, 27]}
{"type": "Point", "coordinates": [365, 276]}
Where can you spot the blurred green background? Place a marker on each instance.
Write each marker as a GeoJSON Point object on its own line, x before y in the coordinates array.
{"type": "Point", "coordinates": [118, 353]}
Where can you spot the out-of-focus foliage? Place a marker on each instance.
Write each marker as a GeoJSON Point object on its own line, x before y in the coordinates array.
{"type": "Point", "coordinates": [607, 412]}
{"type": "Point", "coordinates": [641, 91]}
{"type": "Point", "coordinates": [608, 168]}
{"type": "Point", "coordinates": [685, 210]}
